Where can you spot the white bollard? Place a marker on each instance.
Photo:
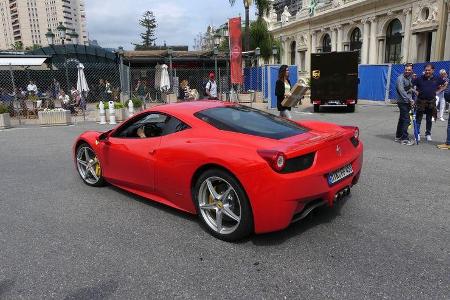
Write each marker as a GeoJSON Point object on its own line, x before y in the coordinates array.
{"type": "Point", "coordinates": [130, 108]}
{"type": "Point", "coordinates": [102, 113]}
{"type": "Point", "coordinates": [112, 113]}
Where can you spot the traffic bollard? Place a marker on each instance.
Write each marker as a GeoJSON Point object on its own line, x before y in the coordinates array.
{"type": "Point", "coordinates": [112, 113]}
{"type": "Point", "coordinates": [102, 113]}
{"type": "Point", "coordinates": [130, 108]}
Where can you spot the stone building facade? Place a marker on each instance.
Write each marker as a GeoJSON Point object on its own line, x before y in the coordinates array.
{"type": "Point", "coordinates": [384, 31]}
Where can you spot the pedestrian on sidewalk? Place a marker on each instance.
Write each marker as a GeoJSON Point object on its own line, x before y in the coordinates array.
{"type": "Point", "coordinates": [447, 143]}
{"type": "Point", "coordinates": [427, 86]}
{"type": "Point", "coordinates": [440, 100]}
{"type": "Point", "coordinates": [211, 87]}
{"type": "Point", "coordinates": [404, 102]}
{"type": "Point", "coordinates": [283, 90]}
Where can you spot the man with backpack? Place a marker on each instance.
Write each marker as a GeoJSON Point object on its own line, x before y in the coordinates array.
{"type": "Point", "coordinates": [211, 87]}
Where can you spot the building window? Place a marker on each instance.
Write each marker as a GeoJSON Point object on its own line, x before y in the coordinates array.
{"type": "Point", "coordinates": [394, 42]}
{"type": "Point", "coordinates": [326, 43]}
{"type": "Point", "coordinates": [355, 40]}
{"type": "Point", "coordinates": [293, 46]}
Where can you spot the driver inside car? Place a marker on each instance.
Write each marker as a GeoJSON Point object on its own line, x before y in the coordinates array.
{"type": "Point", "coordinates": [148, 130]}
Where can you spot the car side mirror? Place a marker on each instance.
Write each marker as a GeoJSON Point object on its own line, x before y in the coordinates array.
{"type": "Point", "coordinates": [104, 136]}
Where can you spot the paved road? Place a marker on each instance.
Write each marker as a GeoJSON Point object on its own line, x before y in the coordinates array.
{"type": "Point", "coordinates": [62, 239]}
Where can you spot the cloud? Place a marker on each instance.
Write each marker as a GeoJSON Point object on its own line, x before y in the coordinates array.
{"type": "Point", "coordinates": [179, 21]}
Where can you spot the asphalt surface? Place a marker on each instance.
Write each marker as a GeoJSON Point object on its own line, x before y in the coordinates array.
{"type": "Point", "coordinates": [60, 239]}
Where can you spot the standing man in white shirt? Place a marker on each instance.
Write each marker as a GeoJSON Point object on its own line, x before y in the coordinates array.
{"type": "Point", "coordinates": [32, 88]}
{"type": "Point", "coordinates": [211, 87]}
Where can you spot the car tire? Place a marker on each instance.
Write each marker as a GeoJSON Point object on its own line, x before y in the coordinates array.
{"type": "Point", "coordinates": [88, 166]}
{"type": "Point", "coordinates": [230, 204]}
{"type": "Point", "coordinates": [351, 108]}
{"type": "Point", "coordinates": [316, 108]}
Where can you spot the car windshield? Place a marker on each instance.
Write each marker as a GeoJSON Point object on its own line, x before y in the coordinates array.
{"type": "Point", "coordinates": [247, 120]}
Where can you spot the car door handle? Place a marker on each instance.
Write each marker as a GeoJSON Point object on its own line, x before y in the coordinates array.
{"type": "Point", "coordinates": [151, 152]}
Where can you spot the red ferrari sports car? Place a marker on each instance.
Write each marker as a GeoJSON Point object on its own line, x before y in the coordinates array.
{"type": "Point", "coordinates": [240, 169]}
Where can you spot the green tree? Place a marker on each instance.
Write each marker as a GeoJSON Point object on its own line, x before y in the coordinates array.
{"type": "Point", "coordinates": [148, 22]}
{"type": "Point", "coordinates": [17, 46]}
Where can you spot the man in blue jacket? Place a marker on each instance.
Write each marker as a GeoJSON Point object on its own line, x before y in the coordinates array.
{"type": "Point", "coordinates": [404, 102]}
{"type": "Point", "coordinates": [427, 85]}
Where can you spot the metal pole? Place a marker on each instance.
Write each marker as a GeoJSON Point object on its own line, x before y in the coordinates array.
{"type": "Point", "coordinates": [65, 64]}
{"type": "Point", "coordinates": [14, 90]}
{"type": "Point", "coordinates": [171, 70]}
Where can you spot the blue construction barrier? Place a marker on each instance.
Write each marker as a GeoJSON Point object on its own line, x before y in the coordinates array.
{"type": "Point", "coordinates": [418, 68]}
{"type": "Point", "coordinates": [373, 81]}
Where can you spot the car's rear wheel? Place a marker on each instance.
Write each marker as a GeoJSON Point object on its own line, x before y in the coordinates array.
{"type": "Point", "coordinates": [316, 108]}
{"type": "Point", "coordinates": [223, 205]}
{"type": "Point", "coordinates": [88, 166]}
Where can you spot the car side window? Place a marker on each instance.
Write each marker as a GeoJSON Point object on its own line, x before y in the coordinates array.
{"type": "Point", "coordinates": [151, 125]}
{"type": "Point", "coordinates": [174, 125]}
{"type": "Point", "coordinates": [147, 126]}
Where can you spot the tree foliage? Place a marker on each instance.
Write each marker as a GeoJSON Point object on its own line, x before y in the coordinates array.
{"type": "Point", "coordinates": [148, 22]}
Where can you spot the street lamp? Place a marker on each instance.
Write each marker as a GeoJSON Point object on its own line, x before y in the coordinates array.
{"type": "Point", "coordinates": [62, 33]}
{"type": "Point", "coordinates": [74, 37]}
{"type": "Point", "coordinates": [170, 53]}
{"type": "Point", "coordinates": [50, 37]}
{"type": "Point", "coordinates": [275, 52]}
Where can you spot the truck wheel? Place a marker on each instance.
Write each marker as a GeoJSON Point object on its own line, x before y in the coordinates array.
{"type": "Point", "coordinates": [351, 108]}
{"type": "Point", "coordinates": [316, 107]}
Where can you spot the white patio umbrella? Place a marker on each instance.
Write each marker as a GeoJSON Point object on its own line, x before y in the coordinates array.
{"type": "Point", "coordinates": [164, 85]}
{"type": "Point", "coordinates": [82, 85]}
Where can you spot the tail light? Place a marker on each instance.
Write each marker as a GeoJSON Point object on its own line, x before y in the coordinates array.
{"type": "Point", "coordinates": [355, 138]}
{"type": "Point", "coordinates": [316, 102]}
{"type": "Point", "coordinates": [350, 101]}
{"type": "Point", "coordinates": [276, 159]}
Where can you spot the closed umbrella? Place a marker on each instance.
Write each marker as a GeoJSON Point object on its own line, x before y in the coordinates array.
{"type": "Point", "coordinates": [82, 86]}
{"type": "Point", "coordinates": [165, 80]}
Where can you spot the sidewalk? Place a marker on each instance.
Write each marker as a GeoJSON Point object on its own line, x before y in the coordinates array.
{"type": "Point", "coordinates": [91, 113]}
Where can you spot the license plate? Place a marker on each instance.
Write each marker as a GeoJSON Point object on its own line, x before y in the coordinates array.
{"type": "Point", "coordinates": [340, 174]}
{"type": "Point", "coordinates": [335, 102]}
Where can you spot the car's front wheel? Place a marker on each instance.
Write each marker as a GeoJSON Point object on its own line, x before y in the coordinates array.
{"type": "Point", "coordinates": [223, 205]}
{"type": "Point", "coordinates": [88, 166]}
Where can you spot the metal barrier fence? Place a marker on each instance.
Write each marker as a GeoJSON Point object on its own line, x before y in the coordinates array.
{"type": "Point", "coordinates": [378, 82]}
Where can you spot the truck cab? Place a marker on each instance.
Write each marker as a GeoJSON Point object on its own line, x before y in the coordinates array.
{"type": "Point", "coordinates": [334, 79]}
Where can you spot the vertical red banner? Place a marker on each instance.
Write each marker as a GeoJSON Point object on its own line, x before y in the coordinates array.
{"type": "Point", "coordinates": [234, 29]}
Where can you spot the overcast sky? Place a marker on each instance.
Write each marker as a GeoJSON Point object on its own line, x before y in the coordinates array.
{"type": "Point", "coordinates": [114, 23]}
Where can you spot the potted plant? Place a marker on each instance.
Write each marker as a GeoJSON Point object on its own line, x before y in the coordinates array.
{"type": "Point", "coordinates": [56, 116]}
{"type": "Point", "coordinates": [137, 104]}
{"type": "Point", "coordinates": [246, 97]}
{"type": "Point", "coordinates": [120, 111]}
{"type": "Point", "coordinates": [5, 120]}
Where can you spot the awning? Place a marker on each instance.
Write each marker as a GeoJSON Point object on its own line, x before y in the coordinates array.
{"type": "Point", "coordinates": [22, 60]}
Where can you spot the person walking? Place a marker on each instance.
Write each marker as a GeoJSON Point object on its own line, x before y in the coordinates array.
{"type": "Point", "coordinates": [141, 90]}
{"type": "Point", "coordinates": [427, 86]}
{"type": "Point", "coordinates": [283, 90]}
{"type": "Point", "coordinates": [405, 101]}
{"type": "Point", "coordinates": [440, 100]}
{"type": "Point", "coordinates": [211, 87]}
{"type": "Point", "coordinates": [446, 145]}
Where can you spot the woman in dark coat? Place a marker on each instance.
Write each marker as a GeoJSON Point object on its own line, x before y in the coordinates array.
{"type": "Point", "coordinates": [282, 90]}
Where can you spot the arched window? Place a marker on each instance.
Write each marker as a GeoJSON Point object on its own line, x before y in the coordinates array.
{"type": "Point", "coordinates": [293, 49]}
{"type": "Point", "coordinates": [394, 42]}
{"type": "Point", "coordinates": [326, 43]}
{"type": "Point", "coordinates": [355, 40]}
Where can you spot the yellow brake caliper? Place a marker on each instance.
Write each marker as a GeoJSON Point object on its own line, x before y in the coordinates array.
{"type": "Point", "coordinates": [98, 170]}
